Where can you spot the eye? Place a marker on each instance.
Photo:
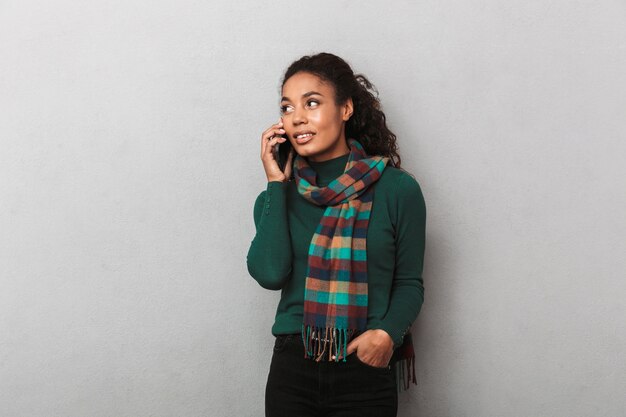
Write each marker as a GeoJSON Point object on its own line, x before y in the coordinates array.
{"type": "Point", "coordinates": [286, 109]}
{"type": "Point", "coordinates": [312, 103]}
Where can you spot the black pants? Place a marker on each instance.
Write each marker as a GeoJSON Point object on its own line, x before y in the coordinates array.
{"type": "Point", "coordinates": [299, 387]}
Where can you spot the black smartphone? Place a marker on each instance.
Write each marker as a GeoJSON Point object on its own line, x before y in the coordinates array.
{"type": "Point", "coordinates": [283, 153]}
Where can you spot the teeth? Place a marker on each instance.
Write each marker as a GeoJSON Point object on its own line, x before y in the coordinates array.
{"type": "Point", "coordinates": [306, 135]}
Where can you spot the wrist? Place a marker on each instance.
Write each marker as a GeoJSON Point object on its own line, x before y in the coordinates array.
{"type": "Point", "coordinates": [385, 336]}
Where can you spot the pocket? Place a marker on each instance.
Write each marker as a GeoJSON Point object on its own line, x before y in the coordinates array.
{"type": "Point", "coordinates": [367, 365]}
{"type": "Point", "coordinates": [281, 342]}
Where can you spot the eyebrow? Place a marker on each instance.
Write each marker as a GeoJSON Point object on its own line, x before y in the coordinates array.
{"type": "Point", "coordinates": [308, 94]}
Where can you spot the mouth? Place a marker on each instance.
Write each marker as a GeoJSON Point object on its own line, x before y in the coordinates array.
{"type": "Point", "coordinates": [304, 137]}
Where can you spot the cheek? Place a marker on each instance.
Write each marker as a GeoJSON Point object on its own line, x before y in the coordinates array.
{"type": "Point", "coordinates": [325, 120]}
{"type": "Point", "coordinates": [317, 118]}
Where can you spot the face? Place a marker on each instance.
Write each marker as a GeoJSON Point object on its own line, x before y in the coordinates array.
{"type": "Point", "coordinates": [313, 122]}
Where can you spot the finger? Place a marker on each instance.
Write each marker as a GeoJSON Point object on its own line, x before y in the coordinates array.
{"type": "Point", "coordinates": [269, 146]}
{"type": "Point", "coordinates": [267, 135]}
{"type": "Point", "coordinates": [275, 126]}
{"type": "Point", "coordinates": [273, 140]}
{"type": "Point", "coordinates": [272, 132]}
{"type": "Point", "coordinates": [351, 347]}
{"type": "Point", "coordinates": [289, 163]}
{"type": "Point", "coordinates": [372, 359]}
{"type": "Point", "coordinates": [278, 125]}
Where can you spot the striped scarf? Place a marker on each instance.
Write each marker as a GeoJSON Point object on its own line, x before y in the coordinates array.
{"type": "Point", "coordinates": [335, 294]}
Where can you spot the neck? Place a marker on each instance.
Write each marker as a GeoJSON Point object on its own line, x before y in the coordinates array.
{"type": "Point", "coordinates": [341, 149]}
{"type": "Point", "coordinates": [329, 169]}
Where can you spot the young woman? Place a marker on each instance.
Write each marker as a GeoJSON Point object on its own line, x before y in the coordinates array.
{"type": "Point", "coordinates": [340, 231]}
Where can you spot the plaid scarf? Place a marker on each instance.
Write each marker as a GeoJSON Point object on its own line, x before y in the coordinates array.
{"type": "Point", "coordinates": [335, 294]}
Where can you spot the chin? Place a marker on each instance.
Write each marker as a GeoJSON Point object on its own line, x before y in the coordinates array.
{"type": "Point", "coordinates": [306, 151]}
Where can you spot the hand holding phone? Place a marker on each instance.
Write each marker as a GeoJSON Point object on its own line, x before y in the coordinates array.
{"type": "Point", "coordinates": [282, 152]}
{"type": "Point", "coordinates": [276, 153]}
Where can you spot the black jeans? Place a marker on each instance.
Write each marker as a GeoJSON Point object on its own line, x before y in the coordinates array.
{"type": "Point", "coordinates": [299, 387]}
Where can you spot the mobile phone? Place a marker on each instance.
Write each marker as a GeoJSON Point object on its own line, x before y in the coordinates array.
{"type": "Point", "coordinates": [282, 153]}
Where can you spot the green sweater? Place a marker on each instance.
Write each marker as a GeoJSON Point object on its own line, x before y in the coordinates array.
{"type": "Point", "coordinates": [285, 223]}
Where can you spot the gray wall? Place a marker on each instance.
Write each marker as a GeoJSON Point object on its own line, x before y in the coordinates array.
{"type": "Point", "coordinates": [129, 163]}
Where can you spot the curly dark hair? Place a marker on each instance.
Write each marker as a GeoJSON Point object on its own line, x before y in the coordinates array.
{"type": "Point", "coordinates": [368, 123]}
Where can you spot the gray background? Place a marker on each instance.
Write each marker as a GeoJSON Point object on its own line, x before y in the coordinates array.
{"type": "Point", "coordinates": [129, 164]}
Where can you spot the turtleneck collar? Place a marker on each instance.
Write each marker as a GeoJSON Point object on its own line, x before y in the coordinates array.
{"type": "Point", "coordinates": [329, 170]}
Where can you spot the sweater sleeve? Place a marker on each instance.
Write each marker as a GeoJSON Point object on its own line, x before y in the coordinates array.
{"type": "Point", "coordinates": [407, 292]}
{"type": "Point", "coordinates": [269, 257]}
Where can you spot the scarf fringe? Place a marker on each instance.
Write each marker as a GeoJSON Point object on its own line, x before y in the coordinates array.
{"type": "Point", "coordinates": [404, 358]}
{"type": "Point", "coordinates": [332, 344]}
{"type": "Point", "coordinates": [405, 374]}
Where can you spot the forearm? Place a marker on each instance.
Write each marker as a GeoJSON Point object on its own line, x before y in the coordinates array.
{"type": "Point", "coordinates": [406, 299]}
{"type": "Point", "coordinates": [269, 257]}
{"type": "Point", "coordinates": [407, 292]}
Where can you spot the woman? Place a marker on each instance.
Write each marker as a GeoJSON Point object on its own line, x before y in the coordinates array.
{"type": "Point", "coordinates": [340, 231]}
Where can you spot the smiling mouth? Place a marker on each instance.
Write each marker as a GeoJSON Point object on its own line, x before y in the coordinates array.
{"type": "Point", "coordinates": [304, 138]}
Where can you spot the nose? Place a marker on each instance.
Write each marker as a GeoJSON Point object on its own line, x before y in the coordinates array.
{"type": "Point", "coordinates": [299, 116]}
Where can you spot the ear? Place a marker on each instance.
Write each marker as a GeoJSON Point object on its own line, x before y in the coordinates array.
{"type": "Point", "coordinates": [347, 110]}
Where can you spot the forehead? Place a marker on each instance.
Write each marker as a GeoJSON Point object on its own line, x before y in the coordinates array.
{"type": "Point", "coordinates": [304, 82]}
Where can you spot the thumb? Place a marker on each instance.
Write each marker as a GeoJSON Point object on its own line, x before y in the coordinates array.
{"type": "Point", "coordinates": [352, 346]}
{"type": "Point", "coordinates": [287, 171]}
